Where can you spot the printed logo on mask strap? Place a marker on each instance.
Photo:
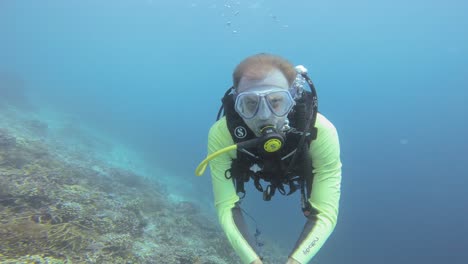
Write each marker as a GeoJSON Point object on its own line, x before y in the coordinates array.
{"type": "Point", "coordinates": [240, 132]}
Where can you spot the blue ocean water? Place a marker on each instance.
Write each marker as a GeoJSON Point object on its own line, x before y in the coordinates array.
{"type": "Point", "coordinates": [391, 75]}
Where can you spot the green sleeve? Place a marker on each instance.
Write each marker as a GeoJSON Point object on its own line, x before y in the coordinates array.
{"type": "Point", "coordinates": [225, 197]}
{"type": "Point", "coordinates": [325, 196]}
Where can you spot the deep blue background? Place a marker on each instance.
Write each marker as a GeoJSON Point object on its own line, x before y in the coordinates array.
{"type": "Point", "coordinates": [391, 76]}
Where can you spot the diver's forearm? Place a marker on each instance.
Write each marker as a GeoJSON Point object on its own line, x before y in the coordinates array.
{"type": "Point", "coordinates": [316, 232]}
{"type": "Point", "coordinates": [236, 231]}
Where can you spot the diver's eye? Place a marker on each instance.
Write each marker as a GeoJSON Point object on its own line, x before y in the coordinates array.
{"type": "Point", "coordinates": [250, 102]}
{"type": "Point", "coordinates": [276, 102]}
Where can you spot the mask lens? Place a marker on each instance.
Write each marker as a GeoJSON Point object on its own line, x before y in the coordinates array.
{"type": "Point", "coordinates": [280, 102]}
{"type": "Point", "coordinates": [247, 104]}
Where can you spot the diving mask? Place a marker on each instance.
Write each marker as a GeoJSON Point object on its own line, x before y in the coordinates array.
{"type": "Point", "coordinates": [260, 103]}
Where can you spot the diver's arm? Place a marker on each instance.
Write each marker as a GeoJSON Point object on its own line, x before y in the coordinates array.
{"type": "Point", "coordinates": [225, 197]}
{"type": "Point", "coordinates": [325, 196]}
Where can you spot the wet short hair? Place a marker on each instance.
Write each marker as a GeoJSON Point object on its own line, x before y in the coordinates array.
{"type": "Point", "coordinates": [257, 67]}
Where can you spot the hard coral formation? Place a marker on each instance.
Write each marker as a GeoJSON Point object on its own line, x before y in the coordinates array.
{"type": "Point", "coordinates": [6, 140]}
{"type": "Point", "coordinates": [56, 211]}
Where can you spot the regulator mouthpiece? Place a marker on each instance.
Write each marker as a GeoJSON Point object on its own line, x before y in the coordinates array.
{"type": "Point", "coordinates": [271, 140]}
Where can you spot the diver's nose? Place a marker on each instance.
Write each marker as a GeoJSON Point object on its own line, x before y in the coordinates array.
{"type": "Point", "coordinates": [264, 112]}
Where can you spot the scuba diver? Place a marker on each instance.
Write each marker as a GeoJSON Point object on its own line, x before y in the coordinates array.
{"type": "Point", "coordinates": [272, 133]}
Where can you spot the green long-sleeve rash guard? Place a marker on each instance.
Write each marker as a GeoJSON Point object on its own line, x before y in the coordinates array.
{"type": "Point", "coordinates": [325, 153]}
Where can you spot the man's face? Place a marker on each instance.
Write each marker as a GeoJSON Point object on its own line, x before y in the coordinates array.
{"type": "Point", "coordinates": [275, 80]}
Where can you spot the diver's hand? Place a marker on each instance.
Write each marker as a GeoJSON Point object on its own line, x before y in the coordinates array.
{"type": "Point", "coordinates": [257, 261]}
{"type": "Point", "coordinates": [292, 261]}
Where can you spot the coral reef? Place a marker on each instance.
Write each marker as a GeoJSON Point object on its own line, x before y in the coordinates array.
{"type": "Point", "coordinates": [57, 206]}
{"type": "Point", "coordinates": [55, 212]}
{"type": "Point", "coordinates": [6, 141]}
